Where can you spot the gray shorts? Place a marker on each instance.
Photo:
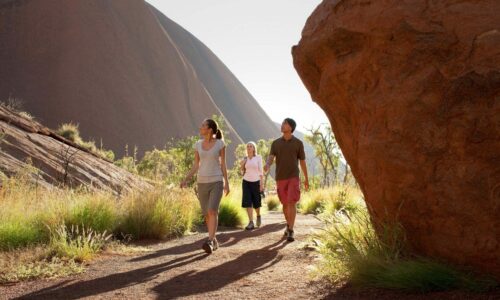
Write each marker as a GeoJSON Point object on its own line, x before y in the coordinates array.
{"type": "Point", "coordinates": [209, 195]}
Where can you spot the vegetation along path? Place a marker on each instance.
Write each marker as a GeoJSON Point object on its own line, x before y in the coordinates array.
{"type": "Point", "coordinates": [256, 264]}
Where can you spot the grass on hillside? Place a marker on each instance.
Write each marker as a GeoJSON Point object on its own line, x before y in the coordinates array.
{"type": "Point", "coordinates": [71, 132]}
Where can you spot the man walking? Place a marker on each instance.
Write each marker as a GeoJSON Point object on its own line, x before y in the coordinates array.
{"type": "Point", "coordinates": [288, 151]}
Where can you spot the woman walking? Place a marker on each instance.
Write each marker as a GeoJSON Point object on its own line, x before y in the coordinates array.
{"type": "Point", "coordinates": [253, 184]}
{"type": "Point", "coordinates": [210, 163]}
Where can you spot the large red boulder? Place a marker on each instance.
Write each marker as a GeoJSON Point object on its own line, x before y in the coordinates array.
{"type": "Point", "coordinates": [412, 90]}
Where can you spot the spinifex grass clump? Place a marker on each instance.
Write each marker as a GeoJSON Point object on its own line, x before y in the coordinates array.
{"type": "Point", "coordinates": [230, 212]}
{"type": "Point", "coordinates": [313, 202]}
{"type": "Point", "coordinates": [272, 202]}
{"type": "Point", "coordinates": [331, 200]}
{"type": "Point", "coordinates": [96, 211]}
{"type": "Point", "coordinates": [352, 251]}
{"type": "Point", "coordinates": [158, 213]}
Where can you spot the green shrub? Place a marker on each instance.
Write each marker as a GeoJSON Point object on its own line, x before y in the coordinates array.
{"type": "Point", "coordinates": [128, 163]}
{"type": "Point", "coordinates": [16, 234]}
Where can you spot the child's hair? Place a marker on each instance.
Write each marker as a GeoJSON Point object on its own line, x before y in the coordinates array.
{"type": "Point", "coordinates": [292, 123]}
{"type": "Point", "coordinates": [254, 147]}
{"type": "Point", "coordinates": [215, 128]}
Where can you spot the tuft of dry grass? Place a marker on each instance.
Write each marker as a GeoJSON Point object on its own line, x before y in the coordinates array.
{"type": "Point", "coordinates": [35, 262]}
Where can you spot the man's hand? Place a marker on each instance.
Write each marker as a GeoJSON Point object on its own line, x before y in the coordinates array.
{"type": "Point", "coordinates": [266, 168]}
{"type": "Point", "coordinates": [306, 185]}
{"type": "Point", "coordinates": [226, 189]}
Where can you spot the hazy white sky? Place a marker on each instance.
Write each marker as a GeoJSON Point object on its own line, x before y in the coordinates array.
{"type": "Point", "coordinates": [254, 40]}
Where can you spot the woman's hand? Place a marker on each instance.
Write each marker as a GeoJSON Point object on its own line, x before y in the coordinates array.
{"type": "Point", "coordinates": [183, 184]}
{"type": "Point", "coordinates": [226, 189]}
{"type": "Point", "coordinates": [261, 188]}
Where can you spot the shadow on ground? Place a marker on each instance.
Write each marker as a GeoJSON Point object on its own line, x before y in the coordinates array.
{"type": "Point", "coordinates": [226, 239]}
{"type": "Point", "coordinates": [188, 283]}
{"type": "Point", "coordinates": [192, 283]}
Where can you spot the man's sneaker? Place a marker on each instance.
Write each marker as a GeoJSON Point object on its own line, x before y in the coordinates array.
{"type": "Point", "coordinates": [250, 226]}
{"type": "Point", "coordinates": [259, 221]}
{"type": "Point", "coordinates": [208, 246]}
{"type": "Point", "coordinates": [286, 232]}
{"type": "Point", "coordinates": [215, 244]}
{"type": "Point", "coordinates": [290, 237]}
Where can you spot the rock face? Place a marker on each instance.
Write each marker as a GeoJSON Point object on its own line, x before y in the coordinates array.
{"type": "Point", "coordinates": [57, 161]}
{"type": "Point", "coordinates": [412, 90]}
{"type": "Point", "coordinates": [122, 70]}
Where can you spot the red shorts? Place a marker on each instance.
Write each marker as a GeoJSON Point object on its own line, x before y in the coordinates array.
{"type": "Point", "coordinates": [289, 190]}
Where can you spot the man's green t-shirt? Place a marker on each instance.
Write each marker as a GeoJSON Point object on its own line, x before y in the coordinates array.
{"type": "Point", "coordinates": [287, 154]}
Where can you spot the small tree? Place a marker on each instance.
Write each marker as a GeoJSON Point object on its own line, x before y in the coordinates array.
{"type": "Point", "coordinates": [326, 150]}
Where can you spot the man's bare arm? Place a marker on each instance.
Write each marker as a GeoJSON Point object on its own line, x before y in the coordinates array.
{"type": "Point", "coordinates": [269, 162]}
{"type": "Point", "coordinates": [303, 167]}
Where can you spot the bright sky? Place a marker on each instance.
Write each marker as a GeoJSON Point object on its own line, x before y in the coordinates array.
{"type": "Point", "coordinates": [254, 40]}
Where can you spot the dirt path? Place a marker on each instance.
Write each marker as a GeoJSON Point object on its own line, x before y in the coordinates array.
{"type": "Point", "coordinates": [249, 265]}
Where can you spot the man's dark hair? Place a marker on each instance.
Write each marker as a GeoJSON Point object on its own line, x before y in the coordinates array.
{"type": "Point", "coordinates": [292, 123]}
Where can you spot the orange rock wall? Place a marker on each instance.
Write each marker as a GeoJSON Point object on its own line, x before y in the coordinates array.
{"type": "Point", "coordinates": [412, 90]}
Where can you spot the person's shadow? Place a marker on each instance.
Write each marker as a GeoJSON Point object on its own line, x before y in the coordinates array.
{"type": "Point", "coordinates": [190, 253]}
{"type": "Point", "coordinates": [226, 239]}
{"type": "Point", "coordinates": [192, 283]}
{"type": "Point", "coordinates": [111, 282]}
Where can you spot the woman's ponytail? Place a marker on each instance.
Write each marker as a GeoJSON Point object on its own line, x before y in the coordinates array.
{"type": "Point", "coordinates": [218, 134]}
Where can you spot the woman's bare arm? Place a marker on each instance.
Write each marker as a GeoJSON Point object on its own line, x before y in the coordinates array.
{"type": "Point", "coordinates": [193, 170]}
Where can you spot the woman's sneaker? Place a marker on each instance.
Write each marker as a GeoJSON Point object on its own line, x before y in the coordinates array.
{"type": "Point", "coordinates": [259, 221]}
{"type": "Point", "coordinates": [215, 244]}
{"type": "Point", "coordinates": [250, 226]}
{"type": "Point", "coordinates": [290, 237]}
{"type": "Point", "coordinates": [208, 246]}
